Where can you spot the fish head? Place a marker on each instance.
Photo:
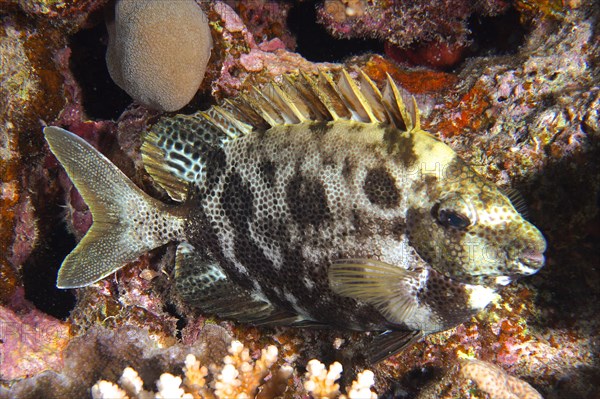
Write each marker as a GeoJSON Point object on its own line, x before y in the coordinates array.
{"type": "Point", "coordinates": [466, 228]}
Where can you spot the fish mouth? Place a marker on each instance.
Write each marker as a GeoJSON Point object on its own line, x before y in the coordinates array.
{"type": "Point", "coordinates": [531, 261]}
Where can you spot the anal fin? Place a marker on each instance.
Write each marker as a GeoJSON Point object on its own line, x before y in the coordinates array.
{"type": "Point", "coordinates": [389, 343]}
{"type": "Point", "coordinates": [202, 283]}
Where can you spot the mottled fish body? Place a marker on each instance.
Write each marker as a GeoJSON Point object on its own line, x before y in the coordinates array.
{"type": "Point", "coordinates": [307, 202]}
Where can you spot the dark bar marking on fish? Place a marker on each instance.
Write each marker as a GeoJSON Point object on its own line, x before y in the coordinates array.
{"type": "Point", "coordinates": [328, 161]}
{"type": "Point", "coordinates": [380, 188]}
{"type": "Point", "coordinates": [307, 201]}
{"type": "Point", "coordinates": [400, 146]}
{"type": "Point", "coordinates": [348, 168]}
{"type": "Point", "coordinates": [215, 163]}
{"type": "Point", "coordinates": [319, 129]}
{"type": "Point", "coordinates": [238, 202]}
{"type": "Point", "coordinates": [446, 298]}
{"type": "Point", "coordinates": [267, 170]}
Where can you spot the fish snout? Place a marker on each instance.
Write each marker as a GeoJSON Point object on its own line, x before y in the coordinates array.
{"type": "Point", "coordinates": [531, 260]}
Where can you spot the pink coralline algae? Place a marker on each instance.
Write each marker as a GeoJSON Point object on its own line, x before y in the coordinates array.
{"type": "Point", "coordinates": [244, 58]}
{"type": "Point", "coordinates": [32, 342]}
{"type": "Point", "coordinates": [404, 23]}
{"type": "Point", "coordinates": [266, 19]}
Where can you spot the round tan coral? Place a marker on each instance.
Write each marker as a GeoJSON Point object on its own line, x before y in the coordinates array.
{"type": "Point", "coordinates": [158, 51]}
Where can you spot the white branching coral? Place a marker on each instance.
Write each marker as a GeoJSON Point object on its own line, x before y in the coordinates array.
{"type": "Point", "coordinates": [321, 382]}
{"type": "Point", "coordinates": [131, 382]}
{"type": "Point", "coordinates": [108, 390]}
{"type": "Point", "coordinates": [239, 377]}
{"type": "Point", "coordinates": [361, 387]}
{"type": "Point", "coordinates": [195, 377]}
{"type": "Point", "coordinates": [169, 387]}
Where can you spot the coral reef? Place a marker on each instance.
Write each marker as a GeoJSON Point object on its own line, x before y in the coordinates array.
{"type": "Point", "coordinates": [32, 342]}
{"type": "Point", "coordinates": [105, 353]}
{"type": "Point", "coordinates": [243, 62]}
{"type": "Point", "coordinates": [403, 23]}
{"type": "Point", "coordinates": [529, 120]}
{"type": "Point", "coordinates": [158, 53]}
{"type": "Point", "coordinates": [266, 20]}
{"type": "Point", "coordinates": [30, 88]}
{"type": "Point", "coordinates": [495, 382]}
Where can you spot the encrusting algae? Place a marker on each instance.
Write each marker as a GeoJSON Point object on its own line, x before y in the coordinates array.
{"type": "Point", "coordinates": [495, 382]}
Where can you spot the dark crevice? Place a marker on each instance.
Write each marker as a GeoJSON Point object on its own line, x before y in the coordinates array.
{"type": "Point", "coordinates": [498, 35]}
{"type": "Point", "coordinates": [181, 320]}
{"type": "Point", "coordinates": [39, 272]}
{"type": "Point", "coordinates": [102, 98]}
{"type": "Point", "coordinates": [409, 386]}
{"type": "Point", "coordinates": [316, 44]}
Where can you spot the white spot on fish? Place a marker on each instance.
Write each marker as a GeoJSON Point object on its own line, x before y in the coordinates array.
{"type": "Point", "coordinates": [294, 302]}
{"type": "Point", "coordinates": [479, 296]}
{"type": "Point", "coordinates": [308, 283]}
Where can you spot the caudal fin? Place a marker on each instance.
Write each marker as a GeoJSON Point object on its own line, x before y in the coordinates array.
{"type": "Point", "coordinates": [126, 221]}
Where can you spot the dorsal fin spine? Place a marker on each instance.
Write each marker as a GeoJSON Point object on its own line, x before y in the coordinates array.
{"type": "Point", "coordinates": [260, 109]}
{"type": "Point", "coordinates": [373, 96]}
{"type": "Point", "coordinates": [239, 128]}
{"type": "Point", "coordinates": [395, 105]}
{"type": "Point", "coordinates": [333, 95]}
{"type": "Point", "coordinates": [175, 144]}
{"type": "Point", "coordinates": [305, 89]}
{"type": "Point", "coordinates": [355, 98]}
{"type": "Point", "coordinates": [323, 99]}
{"type": "Point", "coordinates": [289, 103]}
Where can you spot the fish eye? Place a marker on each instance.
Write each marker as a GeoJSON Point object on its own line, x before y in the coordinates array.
{"type": "Point", "coordinates": [450, 218]}
{"type": "Point", "coordinates": [454, 212]}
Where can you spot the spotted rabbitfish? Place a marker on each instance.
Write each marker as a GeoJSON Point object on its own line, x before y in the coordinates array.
{"type": "Point", "coordinates": [317, 200]}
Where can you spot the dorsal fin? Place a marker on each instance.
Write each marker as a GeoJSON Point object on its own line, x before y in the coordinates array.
{"type": "Point", "coordinates": [153, 156]}
{"type": "Point", "coordinates": [404, 115]}
{"type": "Point", "coordinates": [372, 95]}
{"type": "Point", "coordinates": [516, 199]}
{"type": "Point", "coordinates": [355, 100]}
{"type": "Point", "coordinates": [174, 149]}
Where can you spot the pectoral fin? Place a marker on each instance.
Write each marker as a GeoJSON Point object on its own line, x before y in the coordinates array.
{"type": "Point", "coordinates": [390, 289]}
